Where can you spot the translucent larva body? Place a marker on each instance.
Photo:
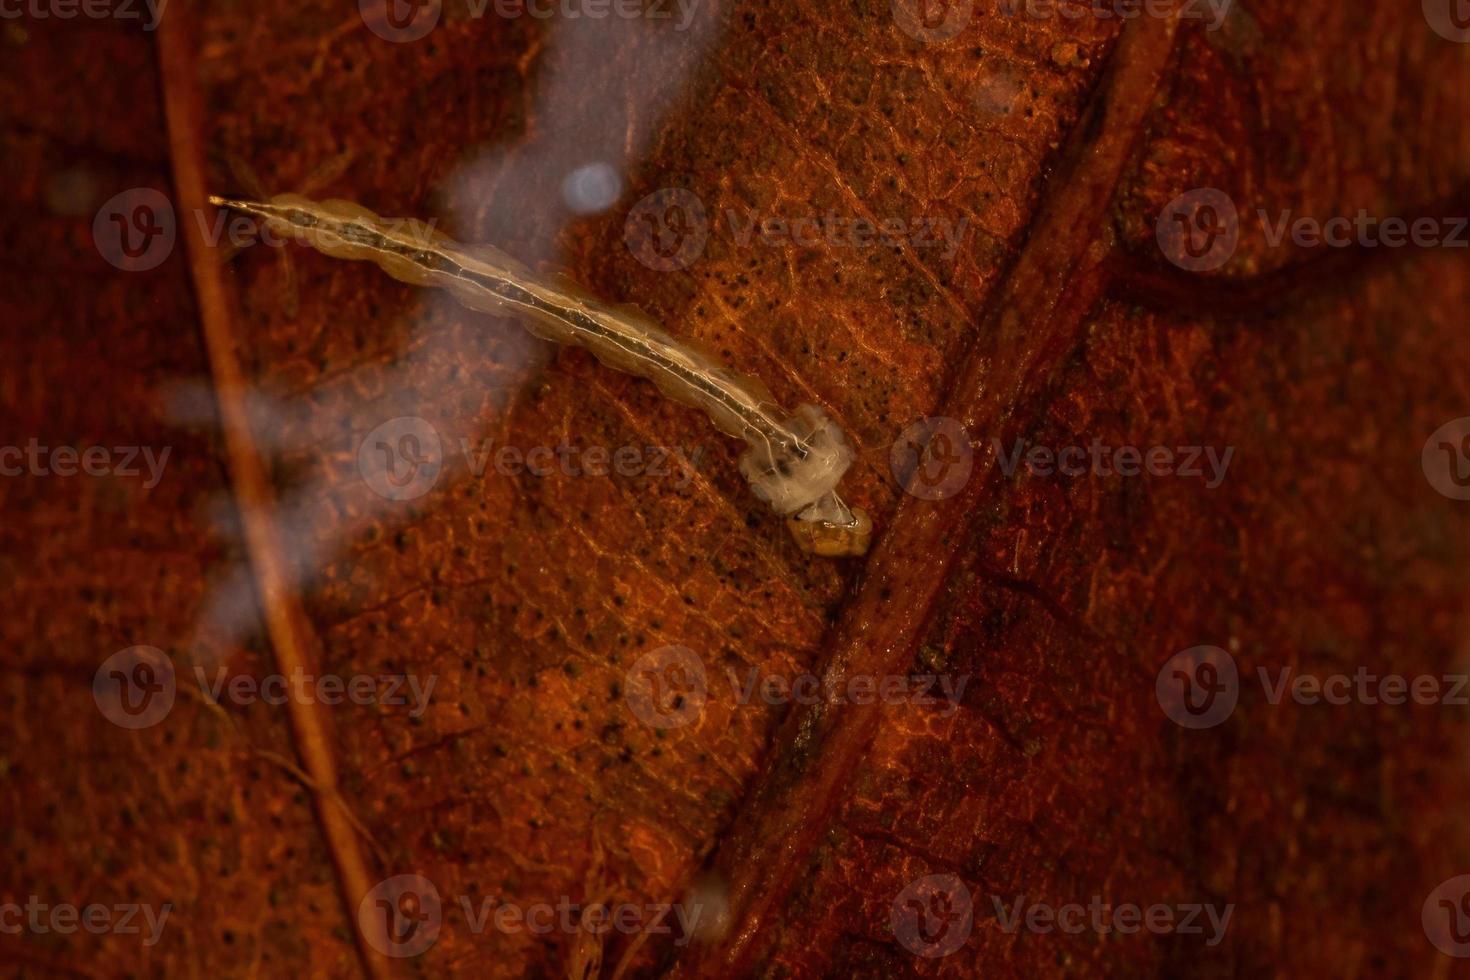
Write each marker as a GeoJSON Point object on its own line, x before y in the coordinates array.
{"type": "Point", "coordinates": [793, 462]}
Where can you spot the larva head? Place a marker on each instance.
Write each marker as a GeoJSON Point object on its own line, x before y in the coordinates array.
{"type": "Point", "coordinates": [833, 539]}
{"type": "Point", "coordinates": [274, 214]}
{"type": "Point", "coordinates": [790, 482]}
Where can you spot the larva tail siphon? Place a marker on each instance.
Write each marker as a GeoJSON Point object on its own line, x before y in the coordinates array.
{"type": "Point", "coordinates": [793, 462]}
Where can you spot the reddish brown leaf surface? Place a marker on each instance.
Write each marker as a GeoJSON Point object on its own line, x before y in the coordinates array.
{"type": "Point", "coordinates": [1054, 144]}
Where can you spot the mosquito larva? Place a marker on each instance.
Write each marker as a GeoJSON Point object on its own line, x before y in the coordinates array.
{"type": "Point", "coordinates": [792, 462]}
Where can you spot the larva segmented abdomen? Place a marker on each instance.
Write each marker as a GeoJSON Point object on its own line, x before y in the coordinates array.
{"type": "Point", "coordinates": [793, 463]}
{"type": "Point", "coordinates": [483, 278]}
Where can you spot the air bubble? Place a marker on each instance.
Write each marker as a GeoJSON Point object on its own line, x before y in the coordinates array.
{"type": "Point", "coordinates": [592, 188]}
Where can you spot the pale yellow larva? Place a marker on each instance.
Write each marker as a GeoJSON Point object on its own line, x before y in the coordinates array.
{"type": "Point", "coordinates": [793, 462]}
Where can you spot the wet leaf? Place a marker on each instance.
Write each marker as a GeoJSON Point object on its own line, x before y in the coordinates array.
{"type": "Point", "coordinates": [1015, 225]}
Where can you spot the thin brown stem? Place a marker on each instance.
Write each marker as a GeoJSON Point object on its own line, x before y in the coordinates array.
{"type": "Point", "coordinates": [292, 638]}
